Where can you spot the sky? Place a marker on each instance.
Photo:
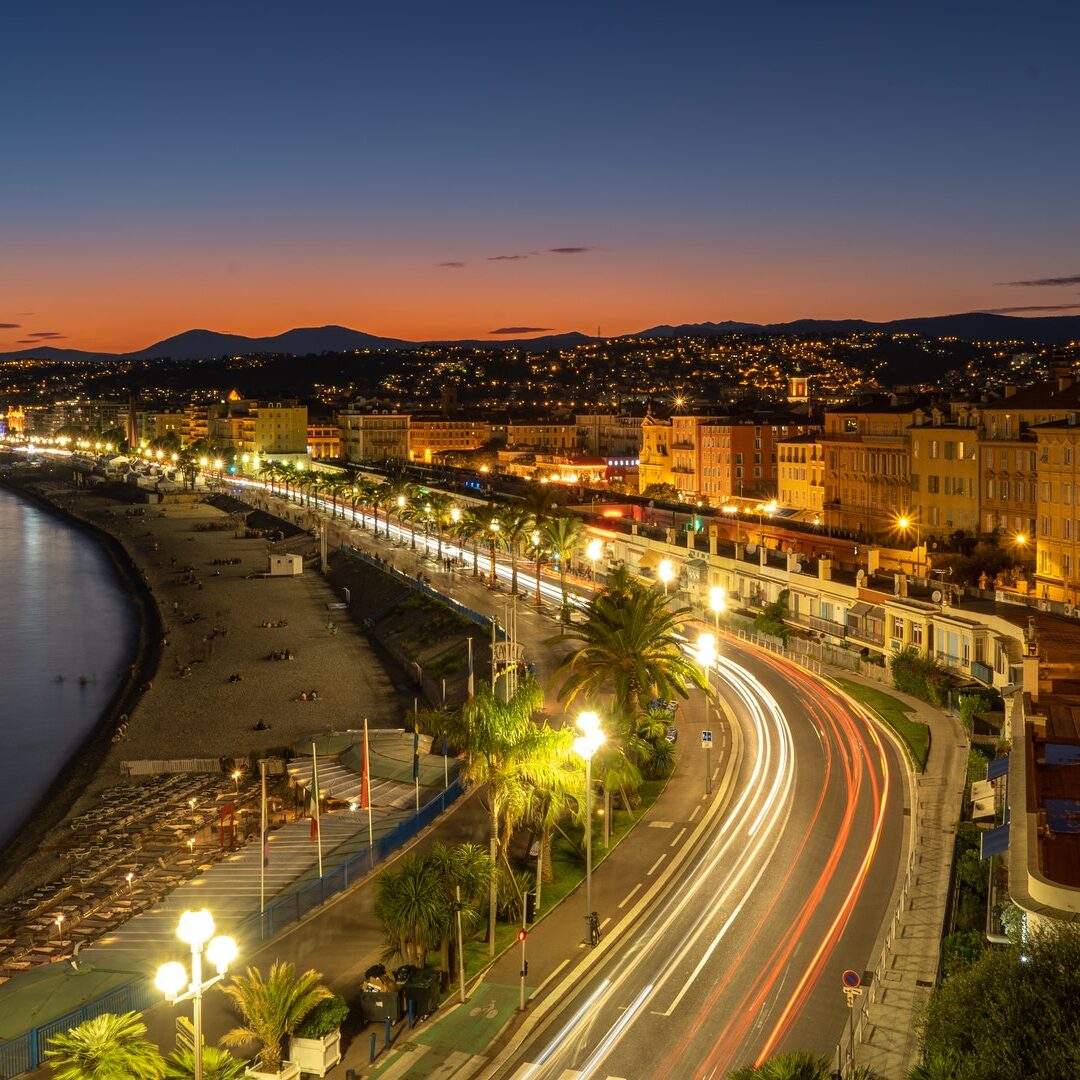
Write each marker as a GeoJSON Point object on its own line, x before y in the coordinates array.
{"type": "Point", "coordinates": [424, 170]}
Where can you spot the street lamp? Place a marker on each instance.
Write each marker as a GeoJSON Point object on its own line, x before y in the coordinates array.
{"type": "Point", "coordinates": [585, 745]}
{"type": "Point", "coordinates": [905, 523]}
{"type": "Point", "coordinates": [665, 572]}
{"type": "Point", "coordinates": [706, 657]}
{"type": "Point", "coordinates": [196, 929]}
{"type": "Point", "coordinates": [718, 602]}
{"type": "Point", "coordinates": [593, 552]}
{"type": "Point", "coordinates": [494, 532]}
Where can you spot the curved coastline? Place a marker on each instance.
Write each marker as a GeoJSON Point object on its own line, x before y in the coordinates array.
{"type": "Point", "coordinates": [81, 768]}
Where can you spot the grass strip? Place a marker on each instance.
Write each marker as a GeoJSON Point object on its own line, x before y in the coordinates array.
{"type": "Point", "coordinates": [914, 733]}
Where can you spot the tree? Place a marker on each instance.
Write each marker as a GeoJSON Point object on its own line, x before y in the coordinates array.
{"type": "Point", "coordinates": [468, 530]}
{"type": "Point", "coordinates": [216, 1065]}
{"type": "Point", "coordinates": [771, 619]}
{"type": "Point", "coordinates": [541, 503]}
{"type": "Point", "coordinates": [799, 1065]}
{"type": "Point", "coordinates": [485, 521]}
{"type": "Point", "coordinates": [1012, 1014]}
{"type": "Point", "coordinates": [506, 751]}
{"type": "Point", "coordinates": [272, 1008]}
{"type": "Point", "coordinates": [631, 645]}
{"type": "Point", "coordinates": [108, 1047]}
{"type": "Point", "coordinates": [440, 509]}
{"type": "Point", "coordinates": [562, 537]}
{"type": "Point", "coordinates": [660, 491]}
{"type": "Point", "coordinates": [412, 906]}
{"type": "Point", "coordinates": [515, 523]}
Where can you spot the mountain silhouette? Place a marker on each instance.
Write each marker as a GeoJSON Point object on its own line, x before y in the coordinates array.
{"type": "Point", "coordinates": [206, 344]}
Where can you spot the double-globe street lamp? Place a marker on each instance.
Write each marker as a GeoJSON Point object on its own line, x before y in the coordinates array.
{"type": "Point", "coordinates": [196, 929]}
{"type": "Point", "coordinates": [585, 745]}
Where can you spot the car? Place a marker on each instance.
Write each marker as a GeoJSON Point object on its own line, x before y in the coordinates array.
{"type": "Point", "coordinates": [672, 733]}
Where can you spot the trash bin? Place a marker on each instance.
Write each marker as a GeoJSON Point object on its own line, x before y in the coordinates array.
{"type": "Point", "coordinates": [378, 1005]}
{"type": "Point", "coordinates": [423, 991]}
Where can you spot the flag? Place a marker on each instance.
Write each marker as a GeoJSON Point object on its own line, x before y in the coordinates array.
{"type": "Point", "coordinates": [471, 687]}
{"type": "Point", "coordinates": [314, 818]}
{"type": "Point", "coordinates": [445, 744]}
{"type": "Point", "coordinates": [365, 790]}
{"type": "Point", "coordinates": [314, 804]}
{"type": "Point", "coordinates": [415, 754]}
{"type": "Point", "coordinates": [265, 822]}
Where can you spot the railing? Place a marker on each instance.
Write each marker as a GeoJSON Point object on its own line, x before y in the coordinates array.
{"type": "Point", "coordinates": [826, 626]}
{"type": "Point", "coordinates": [27, 1052]}
{"type": "Point", "coordinates": [866, 636]}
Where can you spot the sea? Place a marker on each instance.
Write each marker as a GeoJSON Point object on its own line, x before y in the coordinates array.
{"type": "Point", "coordinates": [67, 636]}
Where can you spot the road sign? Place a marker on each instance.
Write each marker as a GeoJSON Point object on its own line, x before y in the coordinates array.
{"type": "Point", "coordinates": [706, 739]}
{"type": "Point", "coordinates": [851, 979]}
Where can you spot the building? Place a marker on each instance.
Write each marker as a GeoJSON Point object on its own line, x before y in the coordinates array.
{"type": "Point", "coordinates": [323, 441]}
{"type": "Point", "coordinates": [271, 429]}
{"type": "Point", "coordinates": [430, 436]}
{"type": "Point", "coordinates": [944, 472]}
{"type": "Point", "coordinates": [151, 426]}
{"type": "Point", "coordinates": [608, 435]}
{"type": "Point", "coordinates": [867, 456]}
{"type": "Point", "coordinates": [542, 437]}
{"type": "Point", "coordinates": [654, 460]}
{"type": "Point", "coordinates": [1057, 565]}
{"type": "Point", "coordinates": [375, 437]}
{"type": "Point", "coordinates": [800, 473]}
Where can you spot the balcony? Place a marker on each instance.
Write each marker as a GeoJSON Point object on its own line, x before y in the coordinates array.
{"type": "Point", "coordinates": [827, 626]}
{"type": "Point", "coordinates": [866, 636]}
{"type": "Point", "coordinates": [682, 445]}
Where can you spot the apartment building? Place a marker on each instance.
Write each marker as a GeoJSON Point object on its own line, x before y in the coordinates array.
{"type": "Point", "coordinates": [430, 436]}
{"type": "Point", "coordinates": [542, 437]}
{"type": "Point", "coordinates": [608, 435]}
{"type": "Point", "coordinates": [800, 473]}
{"type": "Point", "coordinates": [323, 441]}
{"type": "Point", "coordinates": [867, 456]}
{"type": "Point", "coordinates": [267, 428]}
{"type": "Point", "coordinates": [654, 457]}
{"type": "Point", "coordinates": [1057, 567]}
{"type": "Point", "coordinates": [375, 437]}
{"type": "Point", "coordinates": [944, 471]}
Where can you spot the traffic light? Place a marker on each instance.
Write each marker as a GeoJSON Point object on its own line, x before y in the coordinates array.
{"type": "Point", "coordinates": [522, 934]}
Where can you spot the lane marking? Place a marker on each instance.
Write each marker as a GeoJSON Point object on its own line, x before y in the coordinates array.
{"type": "Point", "coordinates": [629, 896]}
{"type": "Point", "coordinates": [565, 963]}
{"type": "Point", "coordinates": [661, 824]}
{"type": "Point", "coordinates": [682, 833]}
{"type": "Point", "coordinates": [697, 810]}
{"type": "Point", "coordinates": [605, 922]}
{"type": "Point", "coordinates": [652, 869]}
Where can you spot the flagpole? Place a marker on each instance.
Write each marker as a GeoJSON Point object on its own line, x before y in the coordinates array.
{"type": "Point", "coordinates": [416, 762]}
{"type": "Point", "coordinates": [263, 840]}
{"type": "Point", "coordinates": [315, 800]}
{"type": "Point", "coordinates": [365, 791]}
{"type": "Point", "coordinates": [470, 687]}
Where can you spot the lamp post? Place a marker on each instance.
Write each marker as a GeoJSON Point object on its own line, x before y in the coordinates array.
{"type": "Point", "coordinates": [585, 745]}
{"type": "Point", "coordinates": [197, 930]}
{"type": "Point", "coordinates": [718, 603]}
{"type": "Point", "coordinates": [493, 535]}
{"type": "Point", "coordinates": [665, 572]}
{"type": "Point", "coordinates": [592, 553]}
{"type": "Point", "coordinates": [706, 657]}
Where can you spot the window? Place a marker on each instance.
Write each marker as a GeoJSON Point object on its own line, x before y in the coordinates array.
{"type": "Point", "coordinates": [916, 634]}
{"type": "Point", "coordinates": [933, 485]}
{"type": "Point", "coordinates": [914, 481]}
{"type": "Point", "coordinates": [897, 627]}
{"type": "Point", "coordinates": [1066, 456]}
{"type": "Point", "coordinates": [950, 450]}
{"type": "Point", "coordinates": [934, 448]}
{"type": "Point", "coordinates": [851, 425]}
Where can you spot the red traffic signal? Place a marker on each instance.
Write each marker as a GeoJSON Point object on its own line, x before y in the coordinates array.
{"type": "Point", "coordinates": [522, 934]}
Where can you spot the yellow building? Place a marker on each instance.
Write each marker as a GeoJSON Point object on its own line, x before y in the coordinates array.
{"type": "Point", "coordinates": [867, 464]}
{"type": "Point", "coordinates": [267, 428]}
{"type": "Point", "coordinates": [374, 437]}
{"type": "Point", "coordinates": [323, 441]}
{"type": "Point", "coordinates": [944, 472]}
{"type": "Point", "coordinates": [801, 473]}
{"type": "Point", "coordinates": [1057, 565]}
{"type": "Point", "coordinates": [429, 437]}
{"type": "Point", "coordinates": [654, 463]}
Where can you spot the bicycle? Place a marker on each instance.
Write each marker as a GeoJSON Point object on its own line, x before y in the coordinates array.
{"type": "Point", "coordinates": [593, 922]}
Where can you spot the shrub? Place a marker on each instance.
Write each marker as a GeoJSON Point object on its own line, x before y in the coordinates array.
{"type": "Point", "coordinates": [920, 676]}
{"type": "Point", "coordinates": [326, 1017]}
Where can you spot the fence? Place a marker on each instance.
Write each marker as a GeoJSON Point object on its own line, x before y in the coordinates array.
{"type": "Point", "coordinates": [27, 1051]}
{"type": "Point", "coordinates": [157, 766]}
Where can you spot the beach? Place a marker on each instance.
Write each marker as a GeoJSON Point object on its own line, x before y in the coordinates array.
{"type": "Point", "coordinates": [203, 677]}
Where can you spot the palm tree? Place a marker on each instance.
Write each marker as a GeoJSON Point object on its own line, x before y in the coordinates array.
{"type": "Point", "coordinates": [485, 520]}
{"type": "Point", "coordinates": [469, 529]}
{"type": "Point", "coordinates": [514, 523]}
{"type": "Point", "coordinates": [512, 755]}
{"type": "Point", "coordinates": [412, 906]}
{"type": "Point", "coordinates": [440, 507]}
{"type": "Point", "coordinates": [540, 502]}
{"type": "Point", "coordinates": [562, 536]}
{"type": "Point", "coordinates": [631, 646]}
{"type": "Point", "coordinates": [109, 1047]}
{"type": "Point", "coordinates": [216, 1065]}
{"type": "Point", "coordinates": [272, 1008]}
{"type": "Point", "coordinates": [799, 1065]}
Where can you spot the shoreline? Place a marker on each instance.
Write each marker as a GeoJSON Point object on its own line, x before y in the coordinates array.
{"type": "Point", "coordinates": [75, 775]}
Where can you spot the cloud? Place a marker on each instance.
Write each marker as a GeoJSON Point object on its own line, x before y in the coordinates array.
{"type": "Point", "coordinates": [27, 341]}
{"type": "Point", "coordinates": [1070, 279]}
{"type": "Point", "coordinates": [10, 325]}
{"type": "Point", "coordinates": [45, 334]}
{"type": "Point", "coordinates": [25, 314]}
{"type": "Point", "coordinates": [505, 258]}
{"type": "Point", "coordinates": [451, 265]}
{"type": "Point", "coordinates": [570, 250]}
{"type": "Point", "coordinates": [520, 330]}
{"type": "Point", "coordinates": [1031, 307]}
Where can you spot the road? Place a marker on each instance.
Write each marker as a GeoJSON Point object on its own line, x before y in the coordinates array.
{"type": "Point", "coordinates": [741, 956]}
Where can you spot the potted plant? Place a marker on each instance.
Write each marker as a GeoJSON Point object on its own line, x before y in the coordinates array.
{"type": "Point", "coordinates": [316, 1046]}
{"type": "Point", "coordinates": [272, 1008]}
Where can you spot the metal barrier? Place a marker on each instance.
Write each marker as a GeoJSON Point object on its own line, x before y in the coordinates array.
{"type": "Point", "coordinates": [26, 1052]}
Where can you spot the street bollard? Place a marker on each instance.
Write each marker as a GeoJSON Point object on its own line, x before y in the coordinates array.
{"type": "Point", "coordinates": [386, 1044]}
{"type": "Point", "coordinates": [373, 1051]}
{"type": "Point", "coordinates": [412, 1014]}
{"type": "Point", "coordinates": [350, 1074]}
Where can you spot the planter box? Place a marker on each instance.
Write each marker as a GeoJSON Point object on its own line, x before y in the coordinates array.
{"type": "Point", "coordinates": [289, 1071]}
{"type": "Point", "coordinates": [317, 1056]}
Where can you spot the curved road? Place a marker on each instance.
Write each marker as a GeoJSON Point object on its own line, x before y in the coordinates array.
{"type": "Point", "coordinates": [742, 957]}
